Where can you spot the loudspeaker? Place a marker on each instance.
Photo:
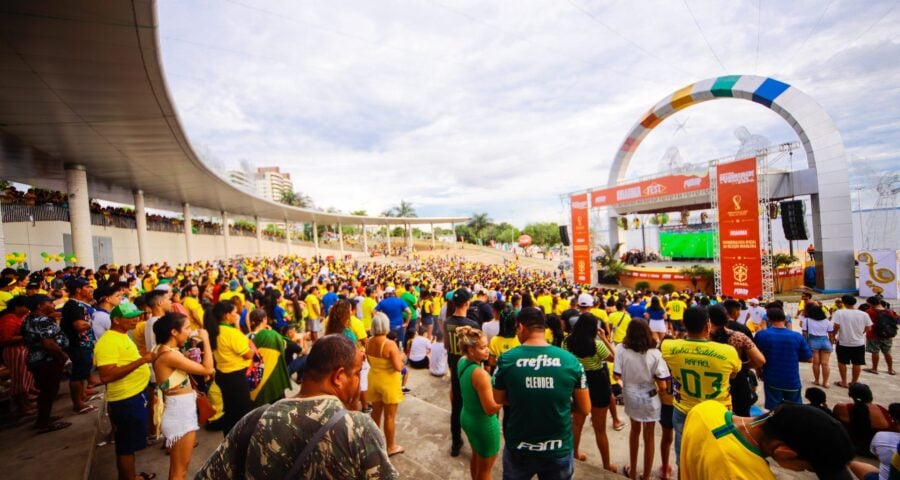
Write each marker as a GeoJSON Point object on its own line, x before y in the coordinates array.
{"type": "Point", "coordinates": [793, 220]}
{"type": "Point", "coordinates": [564, 235]}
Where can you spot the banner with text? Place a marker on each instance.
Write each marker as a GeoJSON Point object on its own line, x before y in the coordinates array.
{"type": "Point", "coordinates": [739, 248]}
{"type": "Point", "coordinates": [649, 189]}
{"type": "Point", "coordinates": [581, 239]}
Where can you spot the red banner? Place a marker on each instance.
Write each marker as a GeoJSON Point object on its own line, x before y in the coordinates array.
{"type": "Point", "coordinates": [581, 239]}
{"type": "Point", "coordinates": [648, 189]}
{"type": "Point", "coordinates": [739, 248]}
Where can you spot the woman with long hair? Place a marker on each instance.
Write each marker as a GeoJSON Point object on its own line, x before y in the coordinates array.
{"type": "Point", "coordinates": [742, 385]}
{"type": "Point", "coordinates": [479, 410]}
{"type": "Point", "coordinates": [656, 315]}
{"type": "Point", "coordinates": [593, 350]}
{"type": "Point", "coordinates": [643, 373]}
{"type": "Point", "coordinates": [179, 420]}
{"type": "Point", "coordinates": [819, 332]}
{"type": "Point", "coordinates": [270, 345]}
{"type": "Point", "coordinates": [231, 350]}
{"type": "Point", "coordinates": [338, 321]}
{"type": "Point", "coordinates": [385, 382]}
{"type": "Point", "coordinates": [554, 325]}
{"type": "Point", "coordinates": [862, 418]}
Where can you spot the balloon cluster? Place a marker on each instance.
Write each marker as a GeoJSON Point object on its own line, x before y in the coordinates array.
{"type": "Point", "coordinates": [15, 258]}
{"type": "Point", "coordinates": [62, 257]}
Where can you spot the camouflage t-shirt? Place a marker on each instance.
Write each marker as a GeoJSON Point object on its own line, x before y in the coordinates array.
{"type": "Point", "coordinates": [353, 449]}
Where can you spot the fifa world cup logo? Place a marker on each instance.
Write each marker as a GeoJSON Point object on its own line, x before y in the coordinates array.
{"type": "Point", "coordinates": [736, 200]}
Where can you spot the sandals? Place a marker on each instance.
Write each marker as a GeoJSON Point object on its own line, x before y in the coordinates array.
{"type": "Point", "coordinates": [842, 385]}
{"type": "Point", "coordinates": [619, 427]}
{"type": "Point", "coordinates": [891, 372]}
{"type": "Point", "coordinates": [397, 452]}
{"type": "Point", "coordinates": [54, 427]}
{"type": "Point", "coordinates": [147, 476]}
{"type": "Point", "coordinates": [871, 371]}
{"type": "Point", "coordinates": [87, 409]}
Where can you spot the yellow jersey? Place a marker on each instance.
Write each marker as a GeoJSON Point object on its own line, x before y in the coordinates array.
{"type": "Point", "coordinates": [231, 346]}
{"type": "Point", "coordinates": [138, 337]}
{"type": "Point", "coordinates": [546, 303]}
{"type": "Point", "coordinates": [313, 307]}
{"type": "Point", "coordinates": [713, 447]}
{"type": "Point", "coordinates": [368, 306]}
{"type": "Point", "coordinates": [675, 309]}
{"type": "Point", "coordinates": [701, 370]}
{"type": "Point", "coordinates": [115, 348]}
{"type": "Point", "coordinates": [500, 345]}
{"type": "Point", "coordinates": [619, 322]}
{"type": "Point", "coordinates": [600, 314]}
{"type": "Point", "coordinates": [192, 305]}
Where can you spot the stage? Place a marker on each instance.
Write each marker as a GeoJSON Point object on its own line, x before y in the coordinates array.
{"type": "Point", "coordinates": [658, 273]}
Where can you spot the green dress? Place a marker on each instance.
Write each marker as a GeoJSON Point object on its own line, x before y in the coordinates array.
{"type": "Point", "coordinates": [275, 373]}
{"type": "Point", "coordinates": [483, 430]}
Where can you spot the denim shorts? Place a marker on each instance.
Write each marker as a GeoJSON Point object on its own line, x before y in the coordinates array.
{"type": "Point", "coordinates": [517, 466]}
{"type": "Point", "coordinates": [819, 343]}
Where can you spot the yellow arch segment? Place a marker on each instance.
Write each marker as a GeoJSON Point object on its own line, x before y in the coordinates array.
{"type": "Point", "coordinates": [682, 98]}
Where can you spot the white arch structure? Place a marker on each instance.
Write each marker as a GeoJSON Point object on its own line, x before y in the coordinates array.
{"type": "Point", "coordinates": [832, 223]}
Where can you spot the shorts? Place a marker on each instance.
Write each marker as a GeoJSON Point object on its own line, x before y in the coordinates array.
{"type": "Point", "coordinates": [678, 326]}
{"type": "Point", "coordinates": [428, 320]}
{"type": "Point", "coordinates": [854, 355]}
{"type": "Point", "coordinates": [82, 363]}
{"type": "Point", "coordinates": [665, 416]}
{"type": "Point", "coordinates": [598, 387]}
{"type": "Point", "coordinates": [819, 343]}
{"type": "Point", "coordinates": [129, 416]}
{"type": "Point", "coordinates": [882, 345]}
{"type": "Point", "coordinates": [658, 326]}
{"type": "Point", "coordinates": [314, 325]}
{"type": "Point", "coordinates": [419, 364]}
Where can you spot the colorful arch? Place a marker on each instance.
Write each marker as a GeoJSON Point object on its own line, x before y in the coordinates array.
{"type": "Point", "coordinates": [821, 140]}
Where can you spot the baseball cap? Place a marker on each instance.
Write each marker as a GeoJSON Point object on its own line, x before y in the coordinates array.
{"type": "Point", "coordinates": [753, 301]}
{"type": "Point", "coordinates": [75, 283]}
{"type": "Point", "coordinates": [585, 300]}
{"type": "Point", "coordinates": [485, 312]}
{"type": "Point", "coordinates": [461, 295]}
{"type": "Point", "coordinates": [163, 287]}
{"type": "Point", "coordinates": [125, 310]}
{"type": "Point", "coordinates": [389, 290]}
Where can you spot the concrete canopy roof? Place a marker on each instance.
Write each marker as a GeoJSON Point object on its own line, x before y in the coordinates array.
{"type": "Point", "coordinates": [81, 82]}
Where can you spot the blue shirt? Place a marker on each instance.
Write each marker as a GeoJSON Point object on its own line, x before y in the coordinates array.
{"type": "Point", "coordinates": [636, 310]}
{"type": "Point", "coordinates": [784, 350]}
{"type": "Point", "coordinates": [328, 300]}
{"type": "Point", "coordinates": [392, 307]}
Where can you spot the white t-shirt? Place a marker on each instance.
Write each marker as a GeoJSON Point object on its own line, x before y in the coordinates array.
{"type": "Point", "coordinates": [884, 444]}
{"type": "Point", "coordinates": [491, 329]}
{"type": "Point", "coordinates": [818, 328]}
{"type": "Point", "coordinates": [852, 323]}
{"type": "Point", "coordinates": [640, 369]}
{"type": "Point", "coordinates": [756, 314]}
{"type": "Point", "coordinates": [418, 349]}
{"type": "Point", "coordinates": [100, 322]}
{"type": "Point", "coordinates": [438, 363]}
{"type": "Point", "coordinates": [742, 317]}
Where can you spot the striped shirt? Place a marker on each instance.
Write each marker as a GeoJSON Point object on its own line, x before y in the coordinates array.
{"type": "Point", "coordinates": [596, 362]}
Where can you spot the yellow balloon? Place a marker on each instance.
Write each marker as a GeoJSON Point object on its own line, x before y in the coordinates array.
{"type": "Point", "coordinates": [74, 260]}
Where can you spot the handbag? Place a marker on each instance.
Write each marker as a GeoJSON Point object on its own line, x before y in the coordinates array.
{"type": "Point", "coordinates": [205, 409]}
{"type": "Point", "coordinates": [255, 370]}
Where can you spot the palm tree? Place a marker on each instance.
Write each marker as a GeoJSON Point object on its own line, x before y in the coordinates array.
{"type": "Point", "coordinates": [782, 260]}
{"type": "Point", "coordinates": [296, 199]}
{"type": "Point", "coordinates": [608, 254]}
{"type": "Point", "coordinates": [404, 210]}
{"type": "Point", "coordinates": [696, 272]}
{"type": "Point", "coordinates": [479, 223]}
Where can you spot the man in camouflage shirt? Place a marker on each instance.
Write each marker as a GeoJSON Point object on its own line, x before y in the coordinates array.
{"type": "Point", "coordinates": [353, 449]}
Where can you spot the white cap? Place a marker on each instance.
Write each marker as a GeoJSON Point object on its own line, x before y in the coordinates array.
{"type": "Point", "coordinates": [389, 290]}
{"type": "Point", "coordinates": [585, 300]}
{"type": "Point", "coordinates": [754, 301]}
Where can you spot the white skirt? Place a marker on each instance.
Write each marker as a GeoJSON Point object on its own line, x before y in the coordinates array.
{"type": "Point", "coordinates": [639, 405]}
{"type": "Point", "coordinates": [364, 377]}
{"type": "Point", "coordinates": [179, 417]}
{"type": "Point", "coordinates": [658, 326]}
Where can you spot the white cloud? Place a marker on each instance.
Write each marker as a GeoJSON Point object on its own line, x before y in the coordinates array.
{"type": "Point", "coordinates": [502, 106]}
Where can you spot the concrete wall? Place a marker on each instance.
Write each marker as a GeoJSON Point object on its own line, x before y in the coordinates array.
{"type": "Point", "coordinates": [37, 237]}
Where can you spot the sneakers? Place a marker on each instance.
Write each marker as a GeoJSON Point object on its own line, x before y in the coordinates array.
{"type": "Point", "coordinates": [406, 390]}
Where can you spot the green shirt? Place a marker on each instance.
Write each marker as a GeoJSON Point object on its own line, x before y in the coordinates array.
{"type": "Point", "coordinates": [539, 382]}
{"type": "Point", "coordinates": [410, 301]}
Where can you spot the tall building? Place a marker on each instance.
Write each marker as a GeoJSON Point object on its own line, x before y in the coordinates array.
{"type": "Point", "coordinates": [271, 182]}
{"type": "Point", "coordinates": [243, 180]}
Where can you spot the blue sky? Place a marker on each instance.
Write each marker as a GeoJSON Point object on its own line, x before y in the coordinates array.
{"type": "Point", "coordinates": [502, 106]}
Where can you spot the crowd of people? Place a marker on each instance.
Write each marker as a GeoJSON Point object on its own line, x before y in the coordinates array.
{"type": "Point", "coordinates": [222, 344]}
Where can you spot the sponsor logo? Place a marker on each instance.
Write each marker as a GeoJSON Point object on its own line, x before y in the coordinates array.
{"type": "Point", "coordinates": [738, 178]}
{"type": "Point", "coordinates": [655, 189]}
{"type": "Point", "coordinates": [539, 362]}
{"type": "Point", "coordinates": [741, 272]}
{"type": "Point", "coordinates": [693, 182]}
{"type": "Point", "coordinates": [601, 199]}
{"type": "Point", "coordinates": [741, 291]}
{"type": "Point", "coordinates": [540, 447]}
{"type": "Point", "coordinates": [738, 233]}
{"type": "Point", "coordinates": [580, 205]}
{"type": "Point", "coordinates": [629, 193]}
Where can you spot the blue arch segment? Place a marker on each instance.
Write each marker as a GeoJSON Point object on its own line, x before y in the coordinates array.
{"type": "Point", "coordinates": [769, 91]}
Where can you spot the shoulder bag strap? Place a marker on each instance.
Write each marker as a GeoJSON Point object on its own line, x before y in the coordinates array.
{"type": "Point", "coordinates": [242, 439]}
{"type": "Point", "coordinates": [300, 461]}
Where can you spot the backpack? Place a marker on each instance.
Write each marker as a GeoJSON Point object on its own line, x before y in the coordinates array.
{"type": "Point", "coordinates": [885, 324]}
{"type": "Point", "coordinates": [473, 313]}
{"type": "Point", "coordinates": [255, 370]}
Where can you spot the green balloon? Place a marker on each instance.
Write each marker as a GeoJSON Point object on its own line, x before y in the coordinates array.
{"type": "Point", "coordinates": [44, 254]}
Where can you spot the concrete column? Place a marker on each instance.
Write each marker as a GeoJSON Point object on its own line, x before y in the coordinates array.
{"type": "Point", "coordinates": [409, 242]}
{"type": "Point", "coordinates": [453, 229]}
{"type": "Point", "coordinates": [287, 234]}
{"type": "Point", "coordinates": [188, 232]}
{"type": "Point", "coordinates": [259, 247]}
{"type": "Point", "coordinates": [140, 217]}
{"type": "Point", "coordinates": [315, 229]}
{"type": "Point", "coordinates": [432, 236]}
{"type": "Point", "coordinates": [340, 233]}
{"type": "Point", "coordinates": [365, 237]}
{"type": "Point", "coordinates": [2, 238]}
{"type": "Point", "coordinates": [388, 254]}
{"type": "Point", "coordinates": [226, 234]}
{"type": "Point", "coordinates": [80, 215]}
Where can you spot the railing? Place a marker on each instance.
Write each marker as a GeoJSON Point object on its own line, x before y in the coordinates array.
{"type": "Point", "coordinates": [162, 226]}
{"type": "Point", "coordinates": [34, 213]}
{"type": "Point", "coordinates": [116, 221]}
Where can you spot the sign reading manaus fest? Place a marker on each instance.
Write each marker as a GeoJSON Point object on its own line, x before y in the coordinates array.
{"type": "Point", "coordinates": [581, 239]}
{"type": "Point", "coordinates": [739, 248]}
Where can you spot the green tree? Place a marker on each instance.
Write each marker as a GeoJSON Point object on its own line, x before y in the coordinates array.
{"type": "Point", "coordinates": [545, 234]}
{"type": "Point", "coordinates": [782, 260]}
{"type": "Point", "coordinates": [296, 199]}
{"type": "Point", "coordinates": [698, 272]}
{"type": "Point", "coordinates": [478, 224]}
{"type": "Point", "coordinates": [608, 254]}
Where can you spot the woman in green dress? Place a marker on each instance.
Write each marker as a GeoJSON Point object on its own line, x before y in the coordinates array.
{"type": "Point", "coordinates": [275, 379]}
{"type": "Point", "coordinates": [479, 410]}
